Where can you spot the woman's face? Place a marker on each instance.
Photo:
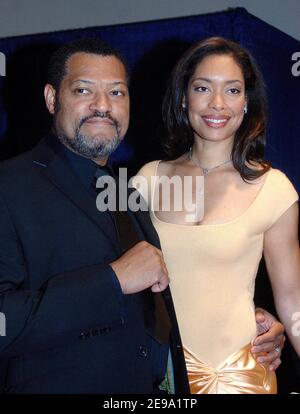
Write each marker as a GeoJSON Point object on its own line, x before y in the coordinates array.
{"type": "Point", "coordinates": [215, 98]}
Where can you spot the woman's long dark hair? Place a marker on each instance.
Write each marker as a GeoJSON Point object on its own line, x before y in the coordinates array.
{"type": "Point", "coordinates": [249, 141]}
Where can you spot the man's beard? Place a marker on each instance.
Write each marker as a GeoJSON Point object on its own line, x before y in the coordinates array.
{"type": "Point", "coordinates": [93, 148]}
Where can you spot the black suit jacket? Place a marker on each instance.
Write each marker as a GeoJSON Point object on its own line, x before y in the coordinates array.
{"type": "Point", "coordinates": [69, 330]}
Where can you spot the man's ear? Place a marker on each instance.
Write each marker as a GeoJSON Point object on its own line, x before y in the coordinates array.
{"type": "Point", "coordinates": [50, 98]}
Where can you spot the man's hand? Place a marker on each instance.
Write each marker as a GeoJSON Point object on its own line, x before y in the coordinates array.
{"type": "Point", "coordinates": [270, 339]}
{"type": "Point", "coordinates": [141, 267]}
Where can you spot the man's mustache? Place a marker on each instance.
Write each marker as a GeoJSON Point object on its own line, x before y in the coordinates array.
{"type": "Point", "coordinates": [98, 114]}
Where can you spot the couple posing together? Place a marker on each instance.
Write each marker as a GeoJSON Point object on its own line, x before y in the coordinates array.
{"type": "Point", "coordinates": [86, 293]}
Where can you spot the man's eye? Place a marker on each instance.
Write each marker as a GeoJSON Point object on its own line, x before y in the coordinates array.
{"type": "Point", "coordinates": [81, 91]}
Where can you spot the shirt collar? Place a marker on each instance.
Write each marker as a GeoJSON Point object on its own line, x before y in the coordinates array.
{"type": "Point", "coordinates": [84, 168]}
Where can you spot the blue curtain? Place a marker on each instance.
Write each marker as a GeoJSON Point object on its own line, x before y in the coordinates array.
{"type": "Point", "coordinates": [151, 50]}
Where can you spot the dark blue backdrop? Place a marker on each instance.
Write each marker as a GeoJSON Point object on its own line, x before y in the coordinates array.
{"type": "Point", "coordinates": [151, 50]}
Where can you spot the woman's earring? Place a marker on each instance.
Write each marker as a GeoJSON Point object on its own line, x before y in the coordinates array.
{"type": "Point", "coordinates": [183, 106]}
{"type": "Point", "coordinates": [245, 109]}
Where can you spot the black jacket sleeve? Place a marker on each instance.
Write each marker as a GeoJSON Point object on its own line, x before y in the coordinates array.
{"type": "Point", "coordinates": [65, 308]}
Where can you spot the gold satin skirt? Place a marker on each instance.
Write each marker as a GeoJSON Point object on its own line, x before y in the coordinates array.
{"type": "Point", "coordinates": [238, 374]}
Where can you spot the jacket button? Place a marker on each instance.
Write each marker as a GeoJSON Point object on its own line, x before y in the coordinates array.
{"type": "Point", "coordinates": [143, 351]}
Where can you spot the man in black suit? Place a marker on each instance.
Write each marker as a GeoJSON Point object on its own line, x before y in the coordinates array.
{"type": "Point", "coordinates": [85, 293]}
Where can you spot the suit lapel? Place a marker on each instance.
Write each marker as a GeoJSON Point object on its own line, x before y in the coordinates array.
{"type": "Point", "coordinates": [145, 224]}
{"type": "Point", "coordinates": [54, 169]}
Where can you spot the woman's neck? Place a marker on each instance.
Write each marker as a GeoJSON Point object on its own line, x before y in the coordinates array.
{"type": "Point", "coordinates": [209, 153]}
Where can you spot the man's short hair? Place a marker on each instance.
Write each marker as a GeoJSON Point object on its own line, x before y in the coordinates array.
{"type": "Point", "coordinates": [57, 67]}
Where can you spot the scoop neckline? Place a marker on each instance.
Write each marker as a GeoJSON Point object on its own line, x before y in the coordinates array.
{"type": "Point", "coordinates": [258, 196]}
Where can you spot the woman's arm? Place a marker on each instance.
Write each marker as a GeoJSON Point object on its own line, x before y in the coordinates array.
{"type": "Point", "coordinates": [282, 256]}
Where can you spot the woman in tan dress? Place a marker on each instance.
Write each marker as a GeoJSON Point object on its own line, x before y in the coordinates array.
{"type": "Point", "coordinates": [214, 111]}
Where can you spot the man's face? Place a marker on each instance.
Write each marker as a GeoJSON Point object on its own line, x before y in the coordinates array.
{"type": "Point", "coordinates": [91, 108]}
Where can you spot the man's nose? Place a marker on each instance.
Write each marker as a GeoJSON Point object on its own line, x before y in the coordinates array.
{"type": "Point", "coordinates": [100, 102]}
